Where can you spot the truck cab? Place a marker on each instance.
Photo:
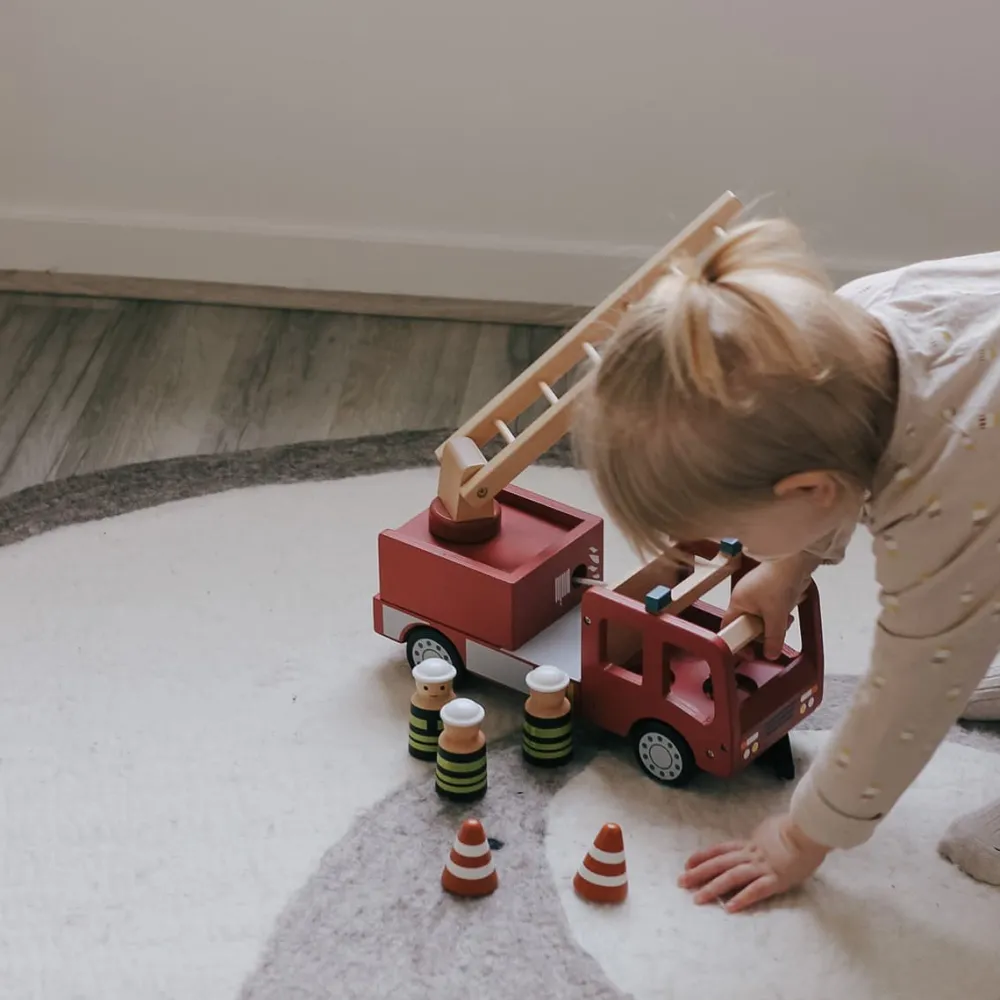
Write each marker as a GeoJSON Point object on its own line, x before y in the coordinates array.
{"type": "Point", "coordinates": [678, 690]}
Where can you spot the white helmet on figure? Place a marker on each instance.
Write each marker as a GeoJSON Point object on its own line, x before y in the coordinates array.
{"type": "Point", "coordinates": [434, 670]}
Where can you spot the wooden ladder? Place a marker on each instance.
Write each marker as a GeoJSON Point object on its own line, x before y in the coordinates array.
{"type": "Point", "coordinates": [468, 482]}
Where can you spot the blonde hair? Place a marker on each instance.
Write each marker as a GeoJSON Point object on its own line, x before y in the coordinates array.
{"type": "Point", "coordinates": [733, 373]}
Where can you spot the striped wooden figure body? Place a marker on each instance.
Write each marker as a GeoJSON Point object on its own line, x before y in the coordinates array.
{"type": "Point", "coordinates": [547, 729]}
{"type": "Point", "coordinates": [433, 677]}
{"type": "Point", "coordinates": [461, 772]}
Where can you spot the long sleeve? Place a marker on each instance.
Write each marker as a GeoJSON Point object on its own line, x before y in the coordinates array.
{"type": "Point", "coordinates": [934, 514]}
{"type": "Point", "coordinates": [937, 634]}
{"type": "Point", "coordinates": [912, 695]}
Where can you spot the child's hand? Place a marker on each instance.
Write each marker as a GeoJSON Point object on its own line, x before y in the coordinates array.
{"type": "Point", "coordinates": [771, 591]}
{"type": "Point", "coordinates": [775, 859]}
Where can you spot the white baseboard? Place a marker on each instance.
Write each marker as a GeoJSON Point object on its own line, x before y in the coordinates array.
{"type": "Point", "coordinates": [254, 252]}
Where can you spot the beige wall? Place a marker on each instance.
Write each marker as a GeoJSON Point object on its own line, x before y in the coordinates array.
{"type": "Point", "coordinates": [532, 149]}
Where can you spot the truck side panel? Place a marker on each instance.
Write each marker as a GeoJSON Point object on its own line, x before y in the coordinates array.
{"type": "Point", "coordinates": [546, 592]}
{"type": "Point", "coordinates": [502, 592]}
{"type": "Point", "coordinates": [431, 586]}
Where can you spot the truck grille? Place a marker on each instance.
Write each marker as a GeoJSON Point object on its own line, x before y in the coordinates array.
{"type": "Point", "coordinates": [780, 719]}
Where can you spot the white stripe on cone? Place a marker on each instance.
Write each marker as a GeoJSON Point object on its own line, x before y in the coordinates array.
{"type": "Point", "coordinates": [471, 850]}
{"type": "Point", "coordinates": [607, 857]}
{"type": "Point", "coordinates": [470, 874]}
{"type": "Point", "coordinates": [609, 881]}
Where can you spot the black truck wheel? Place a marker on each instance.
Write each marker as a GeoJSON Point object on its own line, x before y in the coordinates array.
{"type": "Point", "coordinates": [663, 753]}
{"type": "Point", "coordinates": [424, 642]}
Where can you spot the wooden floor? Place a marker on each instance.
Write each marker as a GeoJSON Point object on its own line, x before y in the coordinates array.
{"type": "Point", "coordinates": [88, 384]}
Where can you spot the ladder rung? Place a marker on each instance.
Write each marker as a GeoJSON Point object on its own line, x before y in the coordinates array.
{"type": "Point", "coordinates": [559, 361]}
{"type": "Point", "coordinates": [598, 325]}
{"type": "Point", "coordinates": [548, 393]}
{"type": "Point", "coordinates": [505, 431]}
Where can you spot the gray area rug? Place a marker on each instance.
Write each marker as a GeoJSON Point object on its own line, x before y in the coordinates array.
{"type": "Point", "coordinates": [146, 484]}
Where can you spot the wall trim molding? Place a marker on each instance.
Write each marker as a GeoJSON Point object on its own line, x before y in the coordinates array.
{"type": "Point", "coordinates": [57, 283]}
{"type": "Point", "coordinates": [479, 278]}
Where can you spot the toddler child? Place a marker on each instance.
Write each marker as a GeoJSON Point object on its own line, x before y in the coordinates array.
{"type": "Point", "coordinates": [744, 397]}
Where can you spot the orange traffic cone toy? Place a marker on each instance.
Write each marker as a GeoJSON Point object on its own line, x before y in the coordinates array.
{"type": "Point", "coordinates": [601, 877]}
{"type": "Point", "coordinates": [469, 870]}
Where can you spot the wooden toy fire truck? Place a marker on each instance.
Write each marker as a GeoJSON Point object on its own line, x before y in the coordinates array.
{"type": "Point", "coordinates": [497, 580]}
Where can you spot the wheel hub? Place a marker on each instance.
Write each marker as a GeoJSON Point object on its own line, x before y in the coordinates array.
{"type": "Point", "coordinates": [425, 648]}
{"type": "Point", "coordinates": [660, 756]}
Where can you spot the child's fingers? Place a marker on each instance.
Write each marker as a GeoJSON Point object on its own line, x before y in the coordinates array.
{"type": "Point", "coordinates": [730, 615]}
{"type": "Point", "coordinates": [756, 892]}
{"type": "Point", "coordinates": [699, 857]}
{"type": "Point", "coordinates": [710, 869]}
{"type": "Point", "coordinates": [775, 627]}
{"type": "Point", "coordinates": [736, 878]}
{"type": "Point", "coordinates": [775, 630]}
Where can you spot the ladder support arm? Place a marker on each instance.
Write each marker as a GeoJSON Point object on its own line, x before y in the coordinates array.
{"type": "Point", "coordinates": [468, 482]}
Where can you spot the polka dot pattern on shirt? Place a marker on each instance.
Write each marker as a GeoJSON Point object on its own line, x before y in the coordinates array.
{"type": "Point", "coordinates": [935, 515]}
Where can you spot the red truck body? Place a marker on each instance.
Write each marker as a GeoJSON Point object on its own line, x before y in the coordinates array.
{"type": "Point", "coordinates": [501, 592]}
{"type": "Point", "coordinates": [666, 681]}
{"type": "Point", "coordinates": [640, 668]}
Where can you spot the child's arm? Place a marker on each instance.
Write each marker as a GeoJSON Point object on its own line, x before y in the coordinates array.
{"type": "Point", "coordinates": [937, 635]}
{"type": "Point", "coordinates": [921, 676]}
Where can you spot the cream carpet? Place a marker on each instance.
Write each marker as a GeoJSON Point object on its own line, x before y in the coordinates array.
{"type": "Point", "coordinates": [206, 794]}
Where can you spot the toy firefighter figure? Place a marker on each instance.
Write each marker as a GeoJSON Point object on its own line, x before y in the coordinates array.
{"type": "Point", "coordinates": [461, 757]}
{"type": "Point", "coordinates": [434, 679]}
{"type": "Point", "coordinates": [547, 731]}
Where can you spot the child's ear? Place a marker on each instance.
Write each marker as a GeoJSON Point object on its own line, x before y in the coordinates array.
{"type": "Point", "coordinates": [820, 488]}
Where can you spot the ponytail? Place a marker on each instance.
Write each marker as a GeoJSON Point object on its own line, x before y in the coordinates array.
{"type": "Point", "coordinates": [757, 309]}
{"type": "Point", "coordinates": [734, 371]}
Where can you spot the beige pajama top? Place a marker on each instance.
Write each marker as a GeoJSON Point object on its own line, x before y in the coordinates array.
{"type": "Point", "coordinates": [934, 515]}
